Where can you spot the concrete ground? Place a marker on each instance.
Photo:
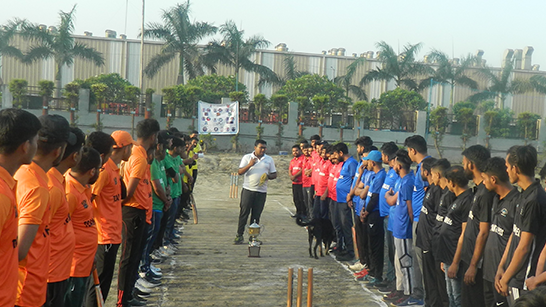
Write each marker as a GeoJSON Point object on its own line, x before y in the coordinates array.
{"type": "Point", "coordinates": [210, 271]}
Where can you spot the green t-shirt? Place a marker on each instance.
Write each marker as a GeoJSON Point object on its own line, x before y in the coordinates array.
{"type": "Point", "coordinates": [158, 172]}
{"type": "Point", "coordinates": [176, 188]}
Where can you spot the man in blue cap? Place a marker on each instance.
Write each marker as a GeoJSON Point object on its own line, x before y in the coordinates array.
{"type": "Point", "coordinates": [374, 221]}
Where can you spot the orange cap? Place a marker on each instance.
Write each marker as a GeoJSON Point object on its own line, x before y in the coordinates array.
{"type": "Point", "coordinates": [122, 138]}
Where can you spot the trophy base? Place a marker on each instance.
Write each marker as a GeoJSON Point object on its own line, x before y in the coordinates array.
{"type": "Point", "coordinates": [254, 251]}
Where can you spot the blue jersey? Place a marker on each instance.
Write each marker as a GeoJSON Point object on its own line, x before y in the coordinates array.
{"type": "Point", "coordinates": [390, 181]}
{"type": "Point", "coordinates": [366, 179]}
{"type": "Point", "coordinates": [418, 191]}
{"type": "Point", "coordinates": [402, 226]}
{"type": "Point", "coordinates": [375, 188]}
{"type": "Point", "coordinates": [356, 198]}
{"type": "Point", "coordinates": [344, 183]}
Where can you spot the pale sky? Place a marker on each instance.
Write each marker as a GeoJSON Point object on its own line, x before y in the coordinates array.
{"type": "Point", "coordinates": [455, 27]}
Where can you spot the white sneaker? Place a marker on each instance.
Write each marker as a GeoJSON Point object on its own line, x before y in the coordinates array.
{"type": "Point", "coordinates": [146, 284]}
{"type": "Point", "coordinates": [157, 271]}
{"type": "Point", "coordinates": [357, 267]}
{"type": "Point", "coordinates": [141, 288]}
{"type": "Point", "coordinates": [167, 250]}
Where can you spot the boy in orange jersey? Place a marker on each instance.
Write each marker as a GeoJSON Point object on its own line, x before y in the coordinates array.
{"type": "Point", "coordinates": [34, 209]}
{"type": "Point", "coordinates": [106, 200]}
{"type": "Point", "coordinates": [78, 194]}
{"type": "Point", "coordinates": [62, 233]}
{"type": "Point", "coordinates": [137, 210]}
{"type": "Point", "coordinates": [18, 137]}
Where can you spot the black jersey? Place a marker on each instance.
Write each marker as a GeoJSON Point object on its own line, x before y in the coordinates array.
{"type": "Point", "coordinates": [452, 226]}
{"type": "Point", "coordinates": [530, 217]}
{"type": "Point", "coordinates": [479, 213]}
{"type": "Point", "coordinates": [502, 223]}
{"type": "Point", "coordinates": [427, 218]}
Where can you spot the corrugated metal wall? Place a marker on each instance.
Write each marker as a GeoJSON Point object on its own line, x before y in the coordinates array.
{"type": "Point", "coordinates": [123, 57]}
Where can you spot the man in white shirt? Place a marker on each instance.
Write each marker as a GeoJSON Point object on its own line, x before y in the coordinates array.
{"type": "Point", "coordinates": [258, 168]}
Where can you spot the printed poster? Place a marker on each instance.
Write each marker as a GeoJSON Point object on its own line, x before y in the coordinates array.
{"type": "Point", "coordinates": [218, 118]}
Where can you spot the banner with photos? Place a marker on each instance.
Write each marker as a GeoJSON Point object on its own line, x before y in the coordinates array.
{"type": "Point", "coordinates": [216, 118]}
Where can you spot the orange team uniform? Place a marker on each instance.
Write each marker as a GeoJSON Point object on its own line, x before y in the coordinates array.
{"type": "Point", "coordinates": [84, 227]}
{"type": "Point", "coordinates": [34, 209]}
{"type": "Point", "coordinates": [138, 167]}
{"type": "Point", "coordinates": [107, 204]}
{"type": "Point", "coordinates": [8, 239]}
{"type": "Point", "coordinates": [62, 233]}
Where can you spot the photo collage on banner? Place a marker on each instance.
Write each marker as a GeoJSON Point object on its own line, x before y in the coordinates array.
{"type": "Point", "coordinates": [218, 118]}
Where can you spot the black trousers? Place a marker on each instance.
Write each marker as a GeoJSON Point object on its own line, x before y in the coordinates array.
{"type": "Point", "coordinates": [133, 230]}
{"type": "Point", "coordinates": [491, 297]}
{"type": "Point", "coordinates": [434, 281]}
{"type": "Point", "coordinates": [472, 295]}
{"type": "Point", "coordinates": [376, 244]}
{"type": "Point", "coordinates": [252, 203]}
{"type": "Point", "coordinates": [105, 260]}
{"type": "Point", "coordinates": [361, 232]}
{"type": "Point", "coordinates": [321, 208]}
{"type": "Point", "coordinates": [194, 175]}
{"type": "Point", "coordinates": [297, 197]}
{"type": "Point", "coordinates": [55, 293]}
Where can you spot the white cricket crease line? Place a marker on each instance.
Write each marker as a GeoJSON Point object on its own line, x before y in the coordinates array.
{"type": "Point", "coordinates": [376, 298]}
{"type": "Point", "coordinates": [285, 208]}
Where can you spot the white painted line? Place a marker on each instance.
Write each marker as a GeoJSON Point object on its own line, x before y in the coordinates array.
{"type": "Point", "coordinates": [285, 208]}
{"type": "Point", "coordinates": [377, 299]}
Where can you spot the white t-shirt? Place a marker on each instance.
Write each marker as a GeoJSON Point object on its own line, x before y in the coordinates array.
{"type": "Point", "coordinates": [265, 165]}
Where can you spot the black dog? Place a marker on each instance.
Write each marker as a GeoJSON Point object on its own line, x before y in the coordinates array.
{"type": "Point", "coordinates": [320, 229]}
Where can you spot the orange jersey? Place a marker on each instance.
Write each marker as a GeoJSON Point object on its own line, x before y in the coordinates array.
{"type": "Point", "coordinates": [34, 209]}
{"type": "Point", "coordinates": [8, 239]}
{"type": "Point", "coordinates": [85, 230]}
{"type": "Point", "coordinates": [107, 204]}
{"type": "Point", "coordinates": [62, 234]}
{"type": "Point", "coordinates": [138, 167]}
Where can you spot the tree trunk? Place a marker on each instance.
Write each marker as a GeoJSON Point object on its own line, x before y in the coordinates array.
{"type": "Point", "coordinates": [148, 103]}
{"type": "Point", "coordinates": [133, 125]}
{"type": "Point", "coordinates": [98, 120]}
{"type": "Point", "coordinates": [437, 146]}
{"type": "Point", "coordinates": [45, 105]}
{"type": "Point", "coordinates": [341, 133]}
{"type": "Point", "coordinates": [58, 85]}
{"type": "Point", "coordinates": [180, 77]}
{"type": "Point", "coordinates": [451, 97]}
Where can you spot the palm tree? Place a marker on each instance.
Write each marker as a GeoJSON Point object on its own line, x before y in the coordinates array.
{"type": "Point", "coordinates": [450, 72]}
{"type": "Point", "coordinates": [7, 33]}
{"type": "Point", "coordinates": [234, 51]}
{"type": "Point", "coordinates": [538, 83]}
{"type": "Point", "coordinates": [181, 37]}
{"type": "Point", "coordinates": [500, 85]}
{"type": "Point", "coordinates": [402, 68]}
{"type": "Point", "coordinates": [60, 45]}
{"type": "Point", "coordinates": [291, 72]}
{"type": "Point", "coordinates": [345, 81]}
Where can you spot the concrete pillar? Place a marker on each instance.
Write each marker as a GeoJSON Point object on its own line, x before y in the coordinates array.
{"type": "Point", "coordinates": [481, 134]}
{"type": "Point", "coordinates": [292, 117]}
{"type": "Point", "coordinates": [421, 127]}
{"type": "Point", "coordinates": [7, 98]}
{"type": "Point", "coordinates": [83, 101]}
{"type": "Point", "coordinates": [541, 135]}
{"type": "Point", "coordinates": [156, 103]}
{"type": "Point", "coordinates": [507, 57]}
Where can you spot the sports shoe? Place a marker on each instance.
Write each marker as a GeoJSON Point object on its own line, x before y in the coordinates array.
{"type": "Point", "coordinates": [357, 267]}
{"type": "Point", "coordinates": [346, 257]}
{"type": "Point", "coordinates": [393, 296]}
{"type": "Point", "coordinates": [176, 236]}
{"type": "Point", "coordinates": [169, 250]}
{"type": "Point", "coordinates": [173, 246]}
{"type": "Point", "coordinates": [386, 289]}
{"type": "Point", "coordinates": [136, 291]}
{"type": "Point", "coordinates": [361, 273]}
{"type": "Point", "coordinates": [135, 302]}
{"type": "Point", "coordinates": [364, 278]}
{"type": "Point", "coordinates": [150, 275]}
{"type": "Point", "coordinates": [411, 301]}
{"type": "Point", "coordinates": [157, 271]}
{"type": "Point", "coordinates": [151, 280]}
{"type": "Point", "coordinates": [400, 301]}
{"type": "Point", "coordinates": [374, 281]}
{"type": "Point", "coordinates": [142, 289]}
{"type": "Point", "coordinates": [238, 240]}
{"type": "Point", "coordinates": [146, 284]}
